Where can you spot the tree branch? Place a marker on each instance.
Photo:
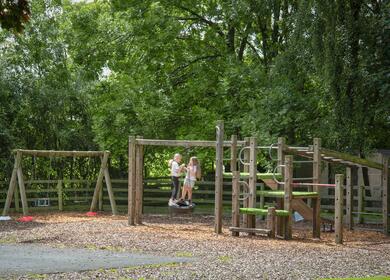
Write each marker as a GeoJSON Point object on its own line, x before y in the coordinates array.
{"type": "Point", "coordinates": [181, 67]}
{"type": "Point", "coordinates": [202, 19]}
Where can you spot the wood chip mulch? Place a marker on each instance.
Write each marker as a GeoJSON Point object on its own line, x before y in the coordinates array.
{"type": "Point", "coordinates": [364, 253]}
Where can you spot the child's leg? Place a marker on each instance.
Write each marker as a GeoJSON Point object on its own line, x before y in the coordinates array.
{"type": "Point", "coordinates": [183, 192]}
{"type": "Point", "coordinates": [191, 187]}
{"type": "Point", "coordinates": [175, 187]}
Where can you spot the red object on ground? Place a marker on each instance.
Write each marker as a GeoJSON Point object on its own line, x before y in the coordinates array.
{"type": "Point", "coordinates": [91, 214]}
{"type": "Point", "coordinates": [25, 219]}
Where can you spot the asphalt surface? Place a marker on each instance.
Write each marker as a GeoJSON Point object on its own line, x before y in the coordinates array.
{"type": "Point", "coordinates": [21, 259]}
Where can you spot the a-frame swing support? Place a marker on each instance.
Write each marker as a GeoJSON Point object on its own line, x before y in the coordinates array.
{"type": "Point", "coordinates": [18, 177]}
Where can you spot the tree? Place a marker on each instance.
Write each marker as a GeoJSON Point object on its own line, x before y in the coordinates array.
{"type": "Point", "coordinates": [14, 14]}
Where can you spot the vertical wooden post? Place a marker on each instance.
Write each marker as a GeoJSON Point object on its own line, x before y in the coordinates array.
{"type": "Point", "coordinates": [219, 177]}
{"type": "Point", "coordinates": [60, 195]}
{"type": "Point", "coordinates": [271, 221]}
{"type": "Point", "coordinates": [99, 182]}
{"type": "Point", "coordinates": [109, 186]}
{"type": "Point", "coordinates": [279, 202]}
{"type": "Point", "coordinates": [361, 195]}
{"type": "Point", "coordinates": [386, 195]}
{"type": "Point", "coordinates": [22, 189]}
{"type": "Point", "coordinates": [288, 187]}
{"type": "Point", "coordinates": [316, 203]}
{"type": "Point", "coordinates": [12, 184]}
{"type": "Point", "coordinates": [338, 209]}
{"type": "Point", "coordinates": [262, 199]}
{"type": "Point", "coordinates": [233, 154]}
{"type": "Point", "coordinates": [246, 170]}
{"type": "Point", "coordinates": [131, 181]}
{"type": "Point", "coordinates": [281, 155]}
{"type": "Point", "coordinates": [139, 183]}
{"type": "Point", "coordinates": [349, 197]}
{"type": "Point", "coordinates": [17, 202]}
{"type": "Point", "coordinates": [235, 201]}
{"type": "Point", "coordinates": [252, 181]}
{"type": "Point", "coordinates": [101, 200]}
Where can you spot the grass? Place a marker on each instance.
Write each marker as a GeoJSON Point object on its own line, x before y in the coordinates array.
{"type": "Point", "coordinates": [361, 278]}
{"type": "Point", "coordinates": [9, 239]}
{"type": "Point", "coordinates": [225, 259]}
{"type": "Point", "coordinates": [184, 254]}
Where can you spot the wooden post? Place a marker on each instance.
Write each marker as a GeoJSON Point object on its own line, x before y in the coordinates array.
{"type": "Point", "coordinates": [235, 202]}
{"type": "Point", "coordinates": [279, 202]}
{"type": "Point", "coordinates": [99, 182]}
{"type": "Point", "coordinates": [101, 200]}
{"type": "Point", "coordinates": [60, 195]}
{"type": "Point", "coordinates": [349, 196]}
{"type": "Point", "coordinates": [386, 195]}
{"type": "Point", "coordinates": [233, 154]}
{"type": "Point", "coordinates": [22, 189]}
{"type": "Point", "coordinates": [361, 195]}
{"type": "Point", "coordinates": [281, 160]}
{"type": "Point", "coordinates": [139, 183]}
{"type": "Point", "coordinates": [219, 177]}
{"type": "Point", "coordinates": [288, 175]}
{"type": "Point", "coordinates": [271, 221]}
{"type": "Point", "coordinates": [316, 180]}
{"type": "Point", "coordinates": [252, 181]}
{"type": "Point", "coordinates": [109, 189]}
{"type": "Point", "coordinates": [338, 209]}
{"type": "Point", "coordinates": [262, 199]}
{"type": "Point", "coordinates": [132, 181]}
{"type": "Point", "coordinates": [246, 170]}
{"type": "Point", "coordinates": [17, 202]}
{"type": "Point", "coordinates": [12, 185]}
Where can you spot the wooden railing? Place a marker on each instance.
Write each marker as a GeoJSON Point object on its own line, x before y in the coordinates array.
{"type": "Point", "coordinates": [73, 194]}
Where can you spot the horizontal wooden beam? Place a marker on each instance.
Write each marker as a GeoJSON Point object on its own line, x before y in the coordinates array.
{"type": "Point", "coordinates": [352, 159]}
{"type": "Point", "coordinates": [337, 157]}
{"type": "Point", "coordinates": [184, 143]}
{"type": "Point", "coordinates": [53, 153]}
{"type": "Point", "coordinates": [250, 230]}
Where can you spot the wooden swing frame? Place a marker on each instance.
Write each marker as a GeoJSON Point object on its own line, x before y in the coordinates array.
{"type": "Point", "coordinates": [17, 176]}
{"type": "Point", "coordinates": [136, 164]}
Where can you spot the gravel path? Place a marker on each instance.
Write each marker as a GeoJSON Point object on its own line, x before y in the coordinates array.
{"type": "Point", "coordinates": [216, 257]}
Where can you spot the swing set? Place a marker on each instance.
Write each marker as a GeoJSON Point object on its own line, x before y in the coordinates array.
{"type": "Point", "coordinates": [18, 177]}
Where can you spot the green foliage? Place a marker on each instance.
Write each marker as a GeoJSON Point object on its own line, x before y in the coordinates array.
{"type": "Point", "coordinates": [14, 14]}
{"type": "Point", "coordinates": [87, 75]}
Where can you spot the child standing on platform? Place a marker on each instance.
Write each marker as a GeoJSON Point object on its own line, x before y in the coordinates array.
{"type": "Point", "coordinates": [176, 170]}
{"type": "Point", "coordinates": [193, 172]}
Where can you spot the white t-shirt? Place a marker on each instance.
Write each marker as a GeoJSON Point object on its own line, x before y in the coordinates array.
{"type": "Point", "coordinates": [175, 168]}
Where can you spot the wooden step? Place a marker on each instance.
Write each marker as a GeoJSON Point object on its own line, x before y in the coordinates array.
{"type": "Point", "coordinates": [251, 230]}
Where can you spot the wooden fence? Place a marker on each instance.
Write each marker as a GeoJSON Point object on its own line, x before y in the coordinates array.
{"type": "Point", "coordinates": [77, 195]}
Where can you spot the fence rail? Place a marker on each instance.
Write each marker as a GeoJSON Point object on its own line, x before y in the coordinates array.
{"type": "Point", "coordinates": [76, 193]}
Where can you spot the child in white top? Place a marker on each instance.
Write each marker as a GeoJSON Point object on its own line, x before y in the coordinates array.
{"type": "Point", "coordinates": [176, 171]}
{"type": "Point", "coordinates": [193, 172]}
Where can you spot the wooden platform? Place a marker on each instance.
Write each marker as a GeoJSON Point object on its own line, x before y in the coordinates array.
{"type": "Point", "coordinates": [251, 230]}
{"type": "Point", "coordinates": [263, 212]}
{"type": "Point", "coordinates": [280, 194]}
